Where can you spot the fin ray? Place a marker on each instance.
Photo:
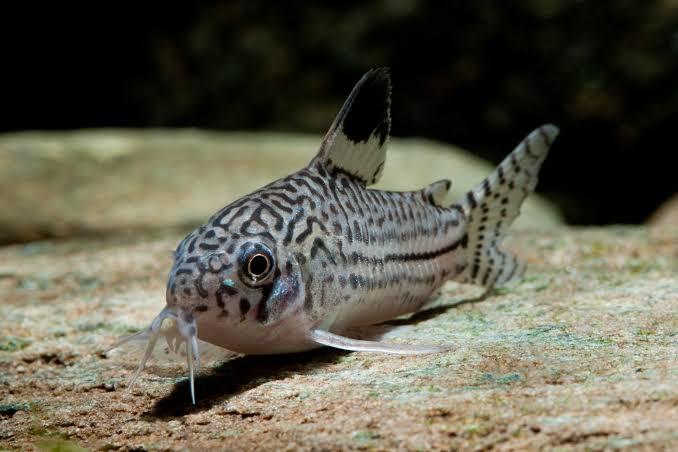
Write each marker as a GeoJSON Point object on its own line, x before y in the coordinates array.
{"type": "Point", "coordinates": [437, 192]}
{"type": "Point", "coordinates": [356, 142]}
{"type": "Point", "coordinates": [345, 343]}
{"type": "Point", "coordinates": [494, 204]}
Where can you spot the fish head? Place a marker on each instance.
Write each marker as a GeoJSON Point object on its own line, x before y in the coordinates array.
{"type": "Point", "coordinates": [227, 280]}
{"type": "Point", "coordinates": [234, 288]}
{"type": "Point", "coordinates": [240, 281]}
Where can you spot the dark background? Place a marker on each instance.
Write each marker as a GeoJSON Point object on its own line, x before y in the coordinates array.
{"type": "Point", "coordinates": [479, 74]}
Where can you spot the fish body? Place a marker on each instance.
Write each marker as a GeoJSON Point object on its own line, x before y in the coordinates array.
{"type": "Point", "coordinates": [344, 255]}
{"type": "Point", "coordinates": [293, 265]}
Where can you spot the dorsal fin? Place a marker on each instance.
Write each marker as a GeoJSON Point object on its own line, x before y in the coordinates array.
{"type": "Point", "coordinates": [436, 192]}
{"type": "Point", "coordinates": [356, 142]}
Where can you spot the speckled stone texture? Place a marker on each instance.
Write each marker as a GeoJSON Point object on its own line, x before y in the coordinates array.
{"type": "Point", "coordinates": [581, 354]}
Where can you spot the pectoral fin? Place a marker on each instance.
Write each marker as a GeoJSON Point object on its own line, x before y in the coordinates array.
{"type": "Point", "coordinates": [357, 345]}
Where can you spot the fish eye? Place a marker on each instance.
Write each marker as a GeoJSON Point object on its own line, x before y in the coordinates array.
{"type": "Point", "coordinates": [258, 266]}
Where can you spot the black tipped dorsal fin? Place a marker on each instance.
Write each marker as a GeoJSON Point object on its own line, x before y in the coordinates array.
{"type": "Point", "coordinates": [356, 142]}
{"type": "Point", "coordinates": [436, 193]}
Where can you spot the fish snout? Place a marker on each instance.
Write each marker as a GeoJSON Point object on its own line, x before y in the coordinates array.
{"type": "Point", "coordinates": [198, 283]}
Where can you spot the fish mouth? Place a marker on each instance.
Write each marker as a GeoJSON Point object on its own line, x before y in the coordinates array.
{"type": "Point", "coordinates": [185, 332]}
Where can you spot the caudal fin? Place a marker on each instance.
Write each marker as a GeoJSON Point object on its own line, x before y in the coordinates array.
{"type": "Point", "coordinates": [494, 204]}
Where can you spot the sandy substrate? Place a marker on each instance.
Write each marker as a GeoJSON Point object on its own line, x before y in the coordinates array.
{"type": "Point", "coordinates": [582, 353]}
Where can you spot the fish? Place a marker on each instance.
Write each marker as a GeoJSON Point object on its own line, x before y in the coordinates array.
{"type": "Point", "coordinates": [296, 264]}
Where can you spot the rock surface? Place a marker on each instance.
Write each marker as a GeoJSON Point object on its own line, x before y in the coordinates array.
{"type": "Point", "coordinates": [666, 216]}
{"type": "Point", "coordinates": [63, 184]}
{"type": "Point", "coordinates": [582, 353]}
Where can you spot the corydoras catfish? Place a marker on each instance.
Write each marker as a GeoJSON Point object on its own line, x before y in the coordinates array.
{"type": "Point", "coordinates": [295, 264]}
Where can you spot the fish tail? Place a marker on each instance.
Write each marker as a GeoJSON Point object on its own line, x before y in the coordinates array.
{"type": "Point", "coordinates": [494, 204]}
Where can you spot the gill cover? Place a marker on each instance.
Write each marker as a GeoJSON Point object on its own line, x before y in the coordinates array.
{"type": "Point", "coordinates": [285, 294]}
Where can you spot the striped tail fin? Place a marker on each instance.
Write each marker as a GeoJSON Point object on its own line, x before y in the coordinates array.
{"type": "Point", "coordinates": [494, 204]}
